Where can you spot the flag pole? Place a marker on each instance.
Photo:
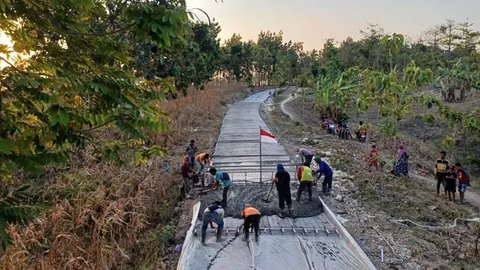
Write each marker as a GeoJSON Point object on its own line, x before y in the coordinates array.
{"type": "Point", "coordinates": [260, 144]}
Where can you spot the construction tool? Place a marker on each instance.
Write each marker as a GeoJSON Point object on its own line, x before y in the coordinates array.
{"type": "Point", "coordinates": [268, 195]}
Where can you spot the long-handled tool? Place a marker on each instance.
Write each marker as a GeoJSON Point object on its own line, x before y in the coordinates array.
{"type": "Point", "coordinates": [268, 195]}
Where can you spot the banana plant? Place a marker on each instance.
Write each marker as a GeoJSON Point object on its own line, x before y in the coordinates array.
{"type": "Point", "coordinates": [334, 92]}
{"type": "Point", "coordinates": [461, 76]}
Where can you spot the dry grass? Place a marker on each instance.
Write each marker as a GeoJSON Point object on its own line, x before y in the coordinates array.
{"type": "Point", "coordinates": [101, 216]}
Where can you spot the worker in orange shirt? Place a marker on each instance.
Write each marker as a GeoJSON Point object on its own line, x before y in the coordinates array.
{"type": "Point", "coordinates": [251, 219]}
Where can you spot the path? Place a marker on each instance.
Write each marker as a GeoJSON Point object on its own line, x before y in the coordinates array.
{"type": "Point", "coordinates": [285, 101]}
{"type": "Point", "coordinates": [316, 242]}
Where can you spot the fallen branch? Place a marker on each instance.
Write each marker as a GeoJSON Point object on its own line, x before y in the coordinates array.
{"type": "Point", "coordinates": [385, 240]}
{"type": "Point", "coordinates": [402, 221]}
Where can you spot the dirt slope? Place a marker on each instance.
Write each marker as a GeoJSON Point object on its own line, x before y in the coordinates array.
{"type": "Point", "coordinates": [372, 202]}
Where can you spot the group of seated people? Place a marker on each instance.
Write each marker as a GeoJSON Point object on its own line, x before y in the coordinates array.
{"type": "Point", "coordinates": [343, 130]}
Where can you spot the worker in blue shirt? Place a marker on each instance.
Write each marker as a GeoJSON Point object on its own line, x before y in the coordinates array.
{"type": "Point", "coordinates": [324, 169]}
{"type": "Point", "coordinates": [224, 178]}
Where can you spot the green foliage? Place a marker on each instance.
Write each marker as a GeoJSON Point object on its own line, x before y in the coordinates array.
{"type": "Point", "coordinates": [14, 211]}
{"type": "Point", "coordinates": [388, 126]}
{"type": "Point", "coordinates": [461, 76]}
{"type": "Point", "coordinates": [334, 93]}
{"type": "Point", "coordinates": [428, 118]}
{"type": "Point", "coordinates": [448, 142]}
{"type": "Point", "coordinates": [78, 79]}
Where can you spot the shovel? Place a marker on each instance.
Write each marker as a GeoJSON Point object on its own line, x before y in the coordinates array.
{"type": "Point", "coordinates": [268, 195]}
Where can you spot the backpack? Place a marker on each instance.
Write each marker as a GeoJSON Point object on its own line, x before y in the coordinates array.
{"type": "Point", "coordinates": [307, 174]}
{"type": "Point", "coordinates": [225, 176]}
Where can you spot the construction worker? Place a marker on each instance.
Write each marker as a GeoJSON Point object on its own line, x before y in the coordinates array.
{"type": "Point", "coordinates": [282, 180]}
{"type": "Point", "coordinates": [324, 169]}
{"type": "Point", "coordinates": [305, 155]}
{"type": "Point", "coordinates": [187, 174]}
{"type": "Point", "coordinates": [224, 178]}
{"type": "Point", "coordinates": [213, 213]}
{"type": "Point", "coordinates": [202, 160]}
{"type": "Point", "coordinates": [251, 219]}
{"type": "Point", "coordinates": [190, 152]}
{"type": "Point", "coordinates": [305, 176]}
{"type": "Point", "coordinates": [441, 169]}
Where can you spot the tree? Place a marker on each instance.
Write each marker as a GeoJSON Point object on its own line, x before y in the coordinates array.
{"type": "Point", "coordinates": [335, 91]}
{"type": "Point", "coordinates": [392, 92]}
{"type": "Point", "coordinates": [461, 76]}
{"type": "Point", "coordinates": [78, 81]}
{"type": "Point", "coordinates": [269, 44]}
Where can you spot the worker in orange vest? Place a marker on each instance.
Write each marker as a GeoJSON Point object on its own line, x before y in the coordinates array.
{"type": "Point", "coordinates": [251, 218]}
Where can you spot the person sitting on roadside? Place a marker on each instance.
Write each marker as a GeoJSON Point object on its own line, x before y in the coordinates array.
{"type": "Point", "coordinates": [463, 181]}
{"type": "Point", "coordinates": [441, 168]}
{"type": "Point", "coordinates": [251, 219]}
{"type": "Point", "coordinates": [450, 182]}
{"type": "Point", "coordinates": [372, 159]}
{"type": "Point", "coordinates": [305, 176]}
{"type": "Point", "coordinates": [305, 155]}
{"type": "Point", "coordinates": [324, 169]}
{"type": "Point", "coordinates": [213, 213]}
{"type": "Point", "coordinates": [224, 178]}
{"type": "Point", "coordinates": [282, 181]}
{"type": "Point", "coordinates": [361, 129]}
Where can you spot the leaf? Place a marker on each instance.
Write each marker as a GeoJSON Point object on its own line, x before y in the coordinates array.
{"type": "Point", "coordinates": [6, 146]}
{"type": "Point", "coordinates": [63, 118]}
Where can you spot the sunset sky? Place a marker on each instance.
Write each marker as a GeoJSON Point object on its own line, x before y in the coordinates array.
{"type": "Point", "coordinates": [313, 21]}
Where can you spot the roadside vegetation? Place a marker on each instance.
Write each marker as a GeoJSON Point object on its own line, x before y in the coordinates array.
{"type": "Point", "coordinates": [96, 96]}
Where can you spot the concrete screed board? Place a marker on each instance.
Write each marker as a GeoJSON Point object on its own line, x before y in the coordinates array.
{"type": "Point", "coordinates": [304, 243]}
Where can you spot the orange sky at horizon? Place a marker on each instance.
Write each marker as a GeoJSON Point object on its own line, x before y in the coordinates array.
{"type": "Point", "coordinates": [314, 21]}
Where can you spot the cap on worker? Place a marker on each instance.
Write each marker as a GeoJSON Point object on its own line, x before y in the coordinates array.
{"type": "Point", "coordinates": [317, 159]}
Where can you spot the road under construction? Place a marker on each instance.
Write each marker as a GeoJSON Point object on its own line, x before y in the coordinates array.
{"type": "Point", "coordinates": [311, 239]}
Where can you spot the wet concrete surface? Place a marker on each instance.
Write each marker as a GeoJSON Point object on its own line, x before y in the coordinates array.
{"type": "Point", "coordinates": [239, 195]}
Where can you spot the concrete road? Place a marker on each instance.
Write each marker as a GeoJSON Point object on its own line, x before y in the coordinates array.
{"type": "Point", "coordinates": [238, 147]}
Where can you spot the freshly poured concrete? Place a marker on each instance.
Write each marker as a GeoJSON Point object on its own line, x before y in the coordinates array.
{"type": "Point", "coordinates": [315, 242]}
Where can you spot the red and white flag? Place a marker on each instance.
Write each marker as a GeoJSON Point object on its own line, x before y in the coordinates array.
{"type": "Point", "coordinates": [267, 137]}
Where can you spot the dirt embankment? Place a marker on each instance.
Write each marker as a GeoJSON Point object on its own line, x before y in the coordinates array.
{"type": "Point", "coordinates": [376, 204]}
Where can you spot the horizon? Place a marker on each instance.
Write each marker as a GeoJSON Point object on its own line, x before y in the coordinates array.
{"type": "Point", "coordinates": [322, 20]}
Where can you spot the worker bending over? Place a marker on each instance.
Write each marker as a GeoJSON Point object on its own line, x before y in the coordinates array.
{"type": "Point", "coordinates": [251, 219]}
{"type": "Point", "coordinates": [213, 213]}
{"type": "Point", "coordinates": [305, 176]}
